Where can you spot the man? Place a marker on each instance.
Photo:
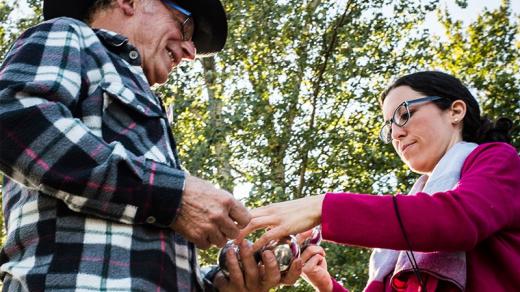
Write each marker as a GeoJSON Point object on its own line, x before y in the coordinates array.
{"type": "Point", "coordinates": [94, 196]}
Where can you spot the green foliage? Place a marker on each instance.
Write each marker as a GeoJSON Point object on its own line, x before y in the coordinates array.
{"type": "Point", "coordinates": [11, 24]}
{"type": "Point", "coordinates": [297, 89]}
{"type": "Point", "coordinates": [354, 274]}
{"type": "Point", "coordinates": [486, 55]}
{"type": "Point", "coordinates": [4, 13]}
{"type": "Point", "coordinates": [290, 106]}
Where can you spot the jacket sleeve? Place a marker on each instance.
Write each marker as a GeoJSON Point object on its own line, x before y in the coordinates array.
{"type": "Point", "coordinates": [336, 287]}
{"type": "Point", "coordinates": [45, 148]}
{"type": "Point", "coordinates": [485, 202]}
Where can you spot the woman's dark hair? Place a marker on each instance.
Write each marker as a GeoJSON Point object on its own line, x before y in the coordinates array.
{"type": "Point", "coordinates": [475, 128]}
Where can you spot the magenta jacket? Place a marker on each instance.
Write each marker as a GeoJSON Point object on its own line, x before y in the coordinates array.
{"type": "Point", "coordinates": [480, 216]}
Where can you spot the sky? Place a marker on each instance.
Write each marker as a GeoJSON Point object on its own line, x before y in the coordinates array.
{"type": "Point", "coordinates": [469, 14]}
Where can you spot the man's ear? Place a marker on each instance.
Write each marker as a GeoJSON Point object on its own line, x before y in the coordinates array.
{"type": "Point", "coordinates": [457, 111]}
{"type": "Point", "coordinates": [127, 6]}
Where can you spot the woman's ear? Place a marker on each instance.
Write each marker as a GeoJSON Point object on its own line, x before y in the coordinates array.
{"type": "Point", "coordinates": [457, 111]}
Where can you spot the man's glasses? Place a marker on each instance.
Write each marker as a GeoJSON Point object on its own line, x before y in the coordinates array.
{"type": "Point", "coordinates": [401, 116]}
{"type": "Point", "coordinates": [187, 26]}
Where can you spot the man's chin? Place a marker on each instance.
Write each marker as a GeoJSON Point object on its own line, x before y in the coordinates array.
{"type": "Point", "coordinates": [157, 80]}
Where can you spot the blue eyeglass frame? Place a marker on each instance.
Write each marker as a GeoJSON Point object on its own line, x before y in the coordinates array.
{"type": "Point", "coordinates": [186, 13]}
{"type": "Point", "coordinates": [177, 7]}
{"type": "Point", "coordinates": [386, 138]}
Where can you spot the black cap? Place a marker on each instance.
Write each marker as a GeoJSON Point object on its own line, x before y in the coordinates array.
{"type": "Point", "coordinates": [209, 17]}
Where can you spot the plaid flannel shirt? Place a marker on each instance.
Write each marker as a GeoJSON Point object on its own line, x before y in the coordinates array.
{"type": "Point", "coordinates": [91, 175]}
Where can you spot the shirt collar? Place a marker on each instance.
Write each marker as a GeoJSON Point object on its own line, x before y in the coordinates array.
{"type": "Point", "coordinates": [120, 45]}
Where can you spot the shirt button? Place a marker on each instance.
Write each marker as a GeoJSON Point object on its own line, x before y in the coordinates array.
{"type": "Point", "coordinates": [133, 55]}
{"type": "Point", "coordinates": [150, 220]}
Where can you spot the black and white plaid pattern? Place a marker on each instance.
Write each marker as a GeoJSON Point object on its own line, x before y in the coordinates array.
{"type": "Point", "coordinates": [92, 178]}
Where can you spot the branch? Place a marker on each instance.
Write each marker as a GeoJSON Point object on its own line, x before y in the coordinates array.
{"type": "Point", "coordinates": [316, 92]}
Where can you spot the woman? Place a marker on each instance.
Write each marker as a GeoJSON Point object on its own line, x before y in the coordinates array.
{"type": "Point", "coordinates": [461, 218]}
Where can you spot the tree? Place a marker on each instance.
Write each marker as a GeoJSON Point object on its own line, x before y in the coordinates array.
{"type": "Point", "coordinates": [486, 55]}
{"type": "Point", "coordinates": [297, 100]}
{"type": "Point", "coordinates": [290, 106]}
{"type": "Point", "coordinates": [297, 94]}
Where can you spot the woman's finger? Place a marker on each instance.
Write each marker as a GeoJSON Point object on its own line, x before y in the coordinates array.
{"type": "Point", "coordinates": [310, 251]}
{"type": "Point", "coordinates": [300, 237]}
{"type": "Point", "coordinates": [272, 234]}
{"type": "Point", "coordinates": [255, 224]}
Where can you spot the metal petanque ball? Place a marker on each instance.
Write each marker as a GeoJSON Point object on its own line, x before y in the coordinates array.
{"type": "Point", "coordinates": [285, 251]}
{"type": "Point", "coordinates": [314, 239]}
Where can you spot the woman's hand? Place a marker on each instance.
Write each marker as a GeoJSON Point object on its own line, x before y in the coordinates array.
{"type": "Point", "coordinates": [315, 268]}
{"type": "Point", "coordinates": [253, 277]}
{"type": "Point", "coordinates": [283, 219]}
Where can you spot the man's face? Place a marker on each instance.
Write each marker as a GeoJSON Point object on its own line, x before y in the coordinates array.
{"type": "Point", "coordinates": [159, 39]}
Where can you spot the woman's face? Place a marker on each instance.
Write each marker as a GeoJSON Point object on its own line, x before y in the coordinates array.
{"type": "Point", "coordinates": [427, 135]}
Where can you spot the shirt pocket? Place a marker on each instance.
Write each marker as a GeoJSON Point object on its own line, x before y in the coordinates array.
{"type": "Point", "coordinates": [133, 100]}
{"type": "Point", "coordinates": [135, 121]}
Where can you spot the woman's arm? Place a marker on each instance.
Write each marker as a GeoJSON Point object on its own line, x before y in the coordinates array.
{"type": "Point", "coordinates": [486, 200]}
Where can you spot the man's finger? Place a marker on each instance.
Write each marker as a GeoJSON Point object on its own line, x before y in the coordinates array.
{"type": "Point", "coordinates": [240, 215]}
{"type": "Point", "coordinates": [249, 264]}
{"type": "Point", "coordinates": [272, 272]}
{"type": "Point", "coordinates": [217, 238]}
{"type": "Point", "coordinates": [235, 273]}
{"type": "Point", "coordinates": [293, 273]}
{"type": "Point", "coordinates": [220, 280]}
{"type": "Point", "coordinates": [203, 243]}
{"type": "Point", "coordinates": [228, 228]}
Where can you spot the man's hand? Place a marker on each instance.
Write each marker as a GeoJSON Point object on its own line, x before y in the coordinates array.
{"type": "Point", "coordinates": [209, 215]}
{"type": "Point", "coordinates": [253, 277]}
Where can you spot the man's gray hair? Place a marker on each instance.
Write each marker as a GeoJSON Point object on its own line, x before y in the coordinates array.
{"type": "Point", "coordinates": [99, 5]}
{"type": "Point", "coordinates": [96, 7]}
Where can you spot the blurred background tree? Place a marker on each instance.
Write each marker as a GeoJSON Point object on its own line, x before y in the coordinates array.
{"type": "Point", "coordinates": [289, 108]}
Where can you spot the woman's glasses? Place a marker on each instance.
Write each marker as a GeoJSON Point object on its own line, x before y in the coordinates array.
{"type": "Point", "coordinates": [401, 116]}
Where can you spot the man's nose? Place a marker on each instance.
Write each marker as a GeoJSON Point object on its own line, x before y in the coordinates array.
{"type": "Point", "coordinates": [188, 51]}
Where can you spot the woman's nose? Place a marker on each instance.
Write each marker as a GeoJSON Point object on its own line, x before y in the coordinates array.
{"type": "Point", "coordinates": [397, 132]}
